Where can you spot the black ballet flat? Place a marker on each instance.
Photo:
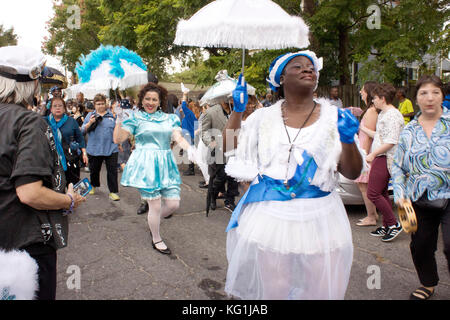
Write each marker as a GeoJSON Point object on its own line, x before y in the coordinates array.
{"type": "Point", "coordinates": [163, 251]}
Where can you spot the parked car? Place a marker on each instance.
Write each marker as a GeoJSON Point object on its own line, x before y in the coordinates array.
{"type": "Point", "coordinates": [349, 191]}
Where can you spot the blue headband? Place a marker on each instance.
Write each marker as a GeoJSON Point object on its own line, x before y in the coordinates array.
{"type": "Point", "coordinates": [278, 65]}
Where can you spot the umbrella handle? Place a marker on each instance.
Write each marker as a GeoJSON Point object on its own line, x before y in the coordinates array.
{"type": "Point", "coordinates": [243, 78]}
{"type": "Point", "coordinates": [243, 64]}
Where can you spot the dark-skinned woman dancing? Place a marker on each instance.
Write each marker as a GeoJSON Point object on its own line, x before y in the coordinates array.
{"type": "Point", "coordinates": [289, 237]}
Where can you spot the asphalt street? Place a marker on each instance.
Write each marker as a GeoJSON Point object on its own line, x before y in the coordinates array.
{"type": "Point", "coordinates": [110, 256]}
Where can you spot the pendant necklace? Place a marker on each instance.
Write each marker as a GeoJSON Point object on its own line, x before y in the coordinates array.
{"type": "Point", "coordinates": [286, 183]}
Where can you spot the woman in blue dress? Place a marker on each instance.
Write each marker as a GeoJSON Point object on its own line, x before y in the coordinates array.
{"type": "Point", "coordinates": [152, 167]}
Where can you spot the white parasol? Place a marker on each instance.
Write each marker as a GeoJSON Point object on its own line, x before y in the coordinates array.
{"type": "Point", "coordinates": [222, 89]}
{"type": "Point", "coordinates": [244, 24]}
{"type": "Point", "coordinates": [87, 89]}
{"type": "Point", "coordinates": [111, 67]}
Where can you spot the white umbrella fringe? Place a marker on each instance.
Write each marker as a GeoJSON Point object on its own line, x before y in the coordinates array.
{"type": "Point", "coordinates": [234, 36]}
{"type": "Point", "coordinates": [249, 24]}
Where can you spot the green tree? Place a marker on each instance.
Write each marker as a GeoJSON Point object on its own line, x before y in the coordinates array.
{"type": "Point", "coordinates": [409, 29]}
{"type": "Point", "coordinates": [70, 41]}
{"type": "Point", "coordinates": [7, 37]}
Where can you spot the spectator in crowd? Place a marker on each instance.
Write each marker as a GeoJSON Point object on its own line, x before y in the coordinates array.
{"type": "Point", "coordinates": [212, 126]}
{"type": "Point", "coordinates": [172, 104]}
{"type": "Point", "coordinates": [32, 181]}
{"type": "Point", "coordinates": [446, 102]}
{"type": "Point", "coordinates": [202, 150]}
{"type": "Point", "coordinates": [188, 124]}
{"type": "Point", "coordinates": [334, 97]}
{"type": "Point", "coordinates": [268, 100]}
{"type": "Point", "coordinates": [77, 113]}
{"type": "Point", "coordinates": [420, 174]}
{"type": "Point", "coordinates": [389, 126]}
{"type": "Point", "coordinates": [405, 105]}
{"type": "Point", "coordinates": [99, 126]}
{"type": "Point", "coordinates": [369, 121]}
{"type": "Point", "coordinates": [80, 99]}
{"type": "Point", "coordinates": [55, 92]}
{"type": "Point", "coordinates": [125, 147]}
{"type": "Point", "coordinates": [69, 140]}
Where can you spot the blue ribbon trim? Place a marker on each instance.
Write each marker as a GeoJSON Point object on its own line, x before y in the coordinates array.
{"type": "Point", "coordinates": [269, 189]}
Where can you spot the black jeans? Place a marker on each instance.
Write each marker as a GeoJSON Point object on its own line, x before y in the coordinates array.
{"type": "Point", "coordinates": [220, 179]}
{"type": "Point", "coordinates": [95, 165]}
{"type": "Point", "coordinates": [424, 242]}
{"type": "Point", "coordinates": [45, 257]}
{"type": "Point", "coordinates": [73, 174]}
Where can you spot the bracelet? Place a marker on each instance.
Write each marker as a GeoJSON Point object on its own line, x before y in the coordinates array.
{"type": "Point", "coordinates": [70, 210]}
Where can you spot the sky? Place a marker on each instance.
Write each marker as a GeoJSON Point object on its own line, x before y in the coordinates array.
{"type": "Point", "coordinates": [29, 17]}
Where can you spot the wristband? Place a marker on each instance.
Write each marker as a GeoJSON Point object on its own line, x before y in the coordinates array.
{"type": "Point", "coordinates": [70, 210]}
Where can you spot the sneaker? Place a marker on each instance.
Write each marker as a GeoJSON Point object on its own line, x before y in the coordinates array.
{"type": "Point", "coordinates": [114, 196]}
{"type": "Point", "coordinates": [379, 232]}
{"type": "Point", "coordinates": [230, 206]}
{"type": "Point", "coordinates": [392, 232]}
{"type": "Point", "coordinates": [92, 192]}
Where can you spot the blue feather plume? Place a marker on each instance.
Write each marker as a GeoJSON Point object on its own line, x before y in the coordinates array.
{"type": "Point", "coordinates": [93, 60]}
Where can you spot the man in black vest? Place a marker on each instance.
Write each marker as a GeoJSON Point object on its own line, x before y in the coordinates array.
{"type": "Point", "coordinates": [33, 205]}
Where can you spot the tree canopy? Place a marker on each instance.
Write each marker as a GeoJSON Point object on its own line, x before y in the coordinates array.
{"type": "Point", "coordinates": [340, 33]}
{"type": "Point", "coordinates": [7, 37]}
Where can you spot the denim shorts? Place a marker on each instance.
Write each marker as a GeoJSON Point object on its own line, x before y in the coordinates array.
{"type": "Point", "coordinates": [171, 193]}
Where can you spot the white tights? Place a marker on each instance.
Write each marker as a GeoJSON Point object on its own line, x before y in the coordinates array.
{"type": "Point", "coordinates": [158, 209]}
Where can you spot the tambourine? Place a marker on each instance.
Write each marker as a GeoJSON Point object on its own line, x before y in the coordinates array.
{"type": "Point", "coordinates": [407, 217]}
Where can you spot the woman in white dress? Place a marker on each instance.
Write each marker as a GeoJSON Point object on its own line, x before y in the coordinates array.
{"type": "Point", "coordinates": [289, 237]}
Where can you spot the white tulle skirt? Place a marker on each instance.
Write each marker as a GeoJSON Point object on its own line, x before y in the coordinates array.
{"type": "Point", "coordinates": [299, 249]}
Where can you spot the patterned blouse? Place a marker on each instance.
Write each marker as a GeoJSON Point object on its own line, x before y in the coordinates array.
{"type": "Point", "coordinates": [422, 164]}
{"type": "Point", "coordinates": [390, 124]}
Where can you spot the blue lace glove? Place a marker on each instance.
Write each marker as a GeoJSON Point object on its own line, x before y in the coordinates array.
{"type": "Point", "coordinates": [348, 126]}
{"type": "Point", "coordinates": [240, 96]}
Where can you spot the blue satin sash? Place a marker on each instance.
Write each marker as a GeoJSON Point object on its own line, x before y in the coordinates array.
{"type": "Point", "coordinates": [269, 189]}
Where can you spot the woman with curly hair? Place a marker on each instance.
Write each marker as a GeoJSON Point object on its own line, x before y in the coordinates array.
{"type": "Point", "coordinates": [151, 167]}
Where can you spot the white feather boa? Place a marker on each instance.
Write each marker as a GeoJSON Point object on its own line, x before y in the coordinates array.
{"type": "Point", "coordinates": [18, 276]}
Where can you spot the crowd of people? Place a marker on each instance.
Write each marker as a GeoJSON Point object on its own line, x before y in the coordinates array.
{"type": "Point", "coordinates": [285, 151]}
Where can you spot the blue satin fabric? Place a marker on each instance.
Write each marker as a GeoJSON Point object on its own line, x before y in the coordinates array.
{"type": "Point", "coordinates": [269, 189]}
{"type": "Point", "coordinates": [151, 165]}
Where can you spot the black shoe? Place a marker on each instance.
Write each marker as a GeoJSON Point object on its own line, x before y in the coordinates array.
{"type": "Point", "coordinates": [230, 206]}
{"type": "Point", "coordinates": [392, 232]}
{"type": "Point", "coordinates": [379, 232]}
{"type": "Point", "coordinates": [213, 205]}
{"type": "Point", "coordinates": [143, 208]}
{"type": "Point", "coordinates": [163, 251]}
{"type": "Point", "coordinates": [203, 186]}
{"type": "Point", "coordinates": [189, 173]}
{"type": "Point", "coordinates": [169, 216]}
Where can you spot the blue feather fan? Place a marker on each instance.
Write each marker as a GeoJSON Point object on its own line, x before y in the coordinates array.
{"type": "Point", "coordinates": [93, 60]}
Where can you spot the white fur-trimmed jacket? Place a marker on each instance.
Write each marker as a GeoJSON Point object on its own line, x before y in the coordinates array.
{"type": "Point", "coordinates": [260, 142]}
